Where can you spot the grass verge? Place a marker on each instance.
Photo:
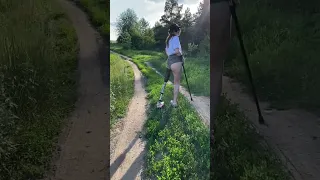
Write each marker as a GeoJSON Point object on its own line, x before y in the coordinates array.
{"type": "Point", "coordinates": [197, 69]}
{"type": "Point", "coordinates": [37, 84]}
{"type": "Point", "coordinates": [121, 87]}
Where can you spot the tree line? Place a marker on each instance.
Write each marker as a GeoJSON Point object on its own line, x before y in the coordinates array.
{"type": "Point", "coordinates": [135, 33]}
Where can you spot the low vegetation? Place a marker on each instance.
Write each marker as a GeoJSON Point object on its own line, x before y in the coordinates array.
{"type": "Point", "coordinates": [37, 84]}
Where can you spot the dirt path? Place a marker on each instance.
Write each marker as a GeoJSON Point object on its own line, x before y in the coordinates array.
{"type": "Point", "coordinates": [200, 103]}
{"type": "Point", "coordinates": [128, 148]}
{"type": "Point", "coordinates": [85, 142]}
{"type": "Point", "coordinates": [294, 134]}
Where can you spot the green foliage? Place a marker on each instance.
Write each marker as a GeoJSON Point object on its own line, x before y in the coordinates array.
{"type": "Point", "coordinates": [134, 33]}
{"type": "Point", "coordinates": [144, 37]}
{"type": "Point", "coordinates": [37, 84]}
{"type": "Point", "coordinates": [204, 47]}
{"type": "Point", "coordinates": [126, 40]}
{"type": "Point", "coordinates": [121, 87]}
{"type": "Point", "coordinates": [192, 49]}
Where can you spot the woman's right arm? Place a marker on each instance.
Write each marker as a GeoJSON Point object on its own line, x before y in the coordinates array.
{"type": "Point", "coordinates": [177, 51]}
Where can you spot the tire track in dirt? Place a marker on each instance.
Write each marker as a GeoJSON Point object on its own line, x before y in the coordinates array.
{"type": "Point", "coordinates": [128, 147]}
{"type": "Point", "coordinates": [294, 134]}
{"type": "Point", "coordinates": [85, 141]}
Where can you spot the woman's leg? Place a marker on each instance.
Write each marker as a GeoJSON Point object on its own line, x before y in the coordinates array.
{"type": "Point", "coordinates": [176, 71]}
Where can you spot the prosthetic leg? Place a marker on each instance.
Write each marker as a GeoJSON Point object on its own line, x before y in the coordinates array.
{"type": "Point", "coordinates": [160, 103]}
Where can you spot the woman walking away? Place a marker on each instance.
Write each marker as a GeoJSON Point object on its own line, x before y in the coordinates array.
{"type": "Point", "coordinates": [175, 59]}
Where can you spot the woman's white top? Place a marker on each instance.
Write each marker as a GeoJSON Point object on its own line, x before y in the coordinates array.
{"type": "Point", "coordinates": [174, 43]}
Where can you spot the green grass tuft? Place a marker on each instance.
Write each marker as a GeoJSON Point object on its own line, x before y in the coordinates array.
{"type": "Point", "coordinates": [121, 87]}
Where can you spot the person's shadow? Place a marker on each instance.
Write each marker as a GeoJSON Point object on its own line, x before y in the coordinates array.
{"type": "Point", "coordinates": [116, 164]}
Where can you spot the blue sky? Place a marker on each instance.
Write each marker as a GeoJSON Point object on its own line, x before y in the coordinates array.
{"type": "Point", "coordinates": [151, 10]}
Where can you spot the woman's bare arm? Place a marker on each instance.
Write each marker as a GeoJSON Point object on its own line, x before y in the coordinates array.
{"type": "Point", "coordinates": [177, 52]}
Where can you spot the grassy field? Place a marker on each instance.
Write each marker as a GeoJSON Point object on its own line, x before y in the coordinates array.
{"type": "Point", "coordinates": [283, 41]}
{"type": "Point", "coordinates": [98, 11]}
{"type": "Point", "coordinates": [197, 69]}
{"type": "Point", "coordinates": [37, 84]}
{"type": "Point", "coordinates": [121, 87]}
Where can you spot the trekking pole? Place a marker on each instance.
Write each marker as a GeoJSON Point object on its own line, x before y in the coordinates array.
{"type": "Point", "coordinates": [187, 80]}
{"type": "Point", "coordinates": [234, 15]}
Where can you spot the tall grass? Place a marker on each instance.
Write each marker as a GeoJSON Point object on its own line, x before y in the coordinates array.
{"type": "Point", "coordinates": [37, 84]}
{"type": "Point", "coordinates": [121, 87]}
{"type": "Point", "coordinates": [283, 40]}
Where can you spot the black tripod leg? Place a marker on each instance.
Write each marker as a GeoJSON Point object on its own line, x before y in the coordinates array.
{"type": "Point", "coordinates": [185, 75]}
{"type": "Point", "coordinates": [234, 15]}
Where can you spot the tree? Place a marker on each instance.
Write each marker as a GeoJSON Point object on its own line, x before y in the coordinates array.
{"type": "Point", "coordinates": [187, 23]}
{"type": "Point", "coordinates": [160, 34]}
{"type": "Point", "coordinates": [172, 13]}
{"type": "Point", "coordinates": [125, 40]}
{"type": "Point", "coordinates": [143, 25]}
{"type": "Point", "coordinates": [187, 20]}
{"type": "Point", "coordinates": [126, 21]}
